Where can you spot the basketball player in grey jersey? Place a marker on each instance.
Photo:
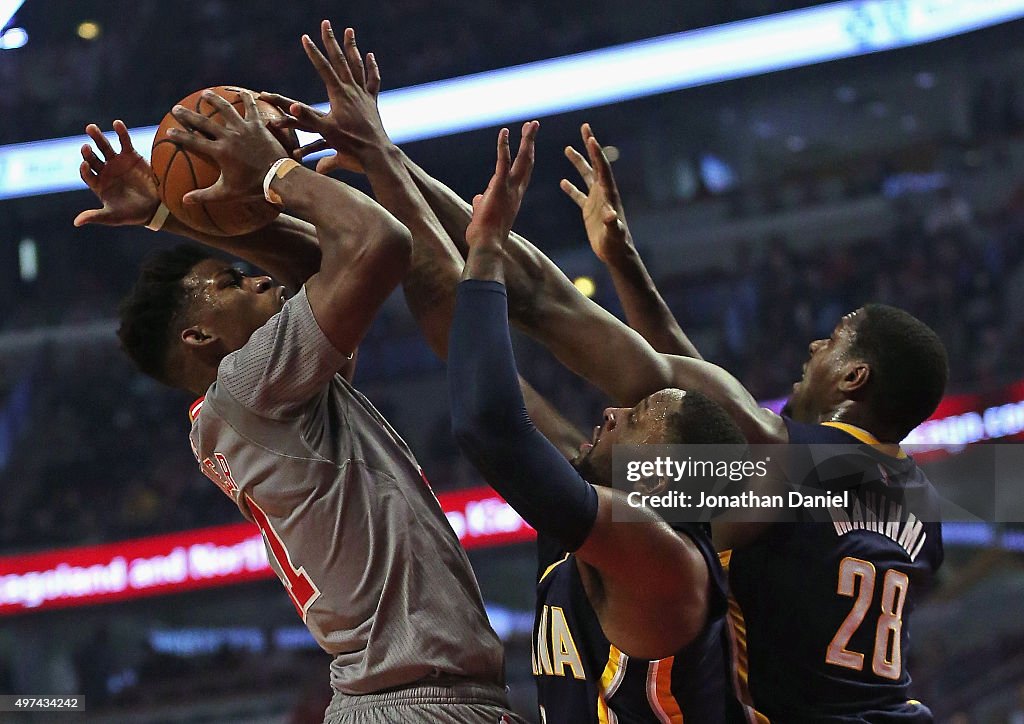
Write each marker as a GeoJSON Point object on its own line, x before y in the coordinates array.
{"type": "Point", "coordinates": [351, 526]}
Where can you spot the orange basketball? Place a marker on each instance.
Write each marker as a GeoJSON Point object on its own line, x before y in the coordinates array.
{"type": "Point", "coordinates": [179, 171]}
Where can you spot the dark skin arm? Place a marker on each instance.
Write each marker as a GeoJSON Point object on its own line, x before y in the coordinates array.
{"type": "Point", "coordinates": [354, 124]}
{"type": "Point", "coordinates": [361, 143]}
{"type": "Point", "coordinates": [364, 250]}
{"type": "Point", "coordinates": [643, 565]}
{"type": "Point", "coordinates": [605, 220]}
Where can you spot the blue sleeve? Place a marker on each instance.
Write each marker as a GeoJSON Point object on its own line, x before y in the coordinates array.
{"type": "Point", "coordinates": [493, 429]}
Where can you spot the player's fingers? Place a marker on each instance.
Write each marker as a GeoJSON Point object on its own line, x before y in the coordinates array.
{"type": "Point", "coordinates": [610, 217]}
{"type": "Point", "coordinates": [226, 110]}
{"type": "Point", "coordinates": [310, 148]}
{"type": "Point", "coordinates": [372, 75]}
{"type": "Point", "coordinates": [90, 157]}
{"type": "Point", "coordinates": [329, 163]}
{"type": "Point", "coordinates": [190, 141]}
{"type": "Point", "coordinates": [522, 167]}
{"type": "Point", "coordinates": [87, 174]}
{"type": "Point", "coordinates": [586, 132]}
{"type": "Point", "coordinates": [310, 117]}
{"type": "Point", "coordinates": [94, 132]}
{"type": "Point", "coordinates": [252, 112]}
{"type": "Point", "coordinates": [581, 165]}
{"type": "Point", "coordinates": [334, 52]}
{"type": "Point", "coordinates": [323, 67]}
{"type": "Point", "coordinates": [602, 167]}
{"type": "Point", "coordinates": [122, 137]}
{"type": "Point", "coordinates": [572, 192]}
{"type": "Point", "coordinates": [501, 167]}
{"type": "Point", "coordinates": [206, 195]}
{"type": "Point", "coordinates": [89, 216]}
{"type": "Point", "coordinates": [352, 57]}
{"type": "Point", "coordinates": [277, 100]}
{"type": "Point", "coordinates": [196, 121]}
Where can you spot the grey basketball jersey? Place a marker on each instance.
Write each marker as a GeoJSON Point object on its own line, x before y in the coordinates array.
{"type": "Point", "coordinates": [351, 526]}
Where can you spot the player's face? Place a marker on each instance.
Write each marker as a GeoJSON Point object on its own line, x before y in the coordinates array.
{"type": "Point", "coordinates": [817, 392]}
{"type": "Point", "coordinates": [229, 304]}
{"type": "Point", "coordinates": [644, 424]}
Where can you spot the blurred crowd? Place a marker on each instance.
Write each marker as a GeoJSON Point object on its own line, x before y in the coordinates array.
{"type": "Point", "coordinates": [149, 54]}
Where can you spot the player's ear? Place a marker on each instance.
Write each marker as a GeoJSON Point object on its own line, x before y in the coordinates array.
{"type": "Point", "coordinates": [855, 379]}
{"type": "Point", "coordinates": [197, 337]}
{"type": "Point", "coordinates": [651, 486]}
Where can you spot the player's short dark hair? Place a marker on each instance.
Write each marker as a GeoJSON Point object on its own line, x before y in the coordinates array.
{"type": "Point", "coordinates": [909, 367]}
{"type": "Point", "coordinates": [699, 420]}
{"type": "Point", "coordinates": [155, 303]}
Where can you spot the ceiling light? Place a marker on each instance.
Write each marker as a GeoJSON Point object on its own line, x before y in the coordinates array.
{"type": "Point", "coordinates": [13, 39]}
{"type": "Point", "coordinates": [585, 285]}
{"type": "Point", "coordinates": [88, 30]}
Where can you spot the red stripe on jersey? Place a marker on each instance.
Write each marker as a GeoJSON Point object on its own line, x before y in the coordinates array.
{"type": "Point", "coordinates": [194, 408]}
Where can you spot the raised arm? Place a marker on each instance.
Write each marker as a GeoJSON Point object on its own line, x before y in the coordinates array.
{"type": "Point", "coordinates": [624, 566]}
{"type": "Point", "coordinates": [364, 250]}
{"type": "Point", "coordinates": [361, 144]}
{"type": "Point", "coordinates": [123, 181]}
{"type": "Point", "coordinates": [605, 222]}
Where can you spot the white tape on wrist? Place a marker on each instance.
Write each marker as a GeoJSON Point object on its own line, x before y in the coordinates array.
{"type": "Point", "coordinates": [279, 169]}
{"type": "Point", "coordinates": [157, 222]}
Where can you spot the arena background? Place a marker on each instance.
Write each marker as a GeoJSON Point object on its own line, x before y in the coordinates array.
{"type": "Point", "coordinates": [766, 207]}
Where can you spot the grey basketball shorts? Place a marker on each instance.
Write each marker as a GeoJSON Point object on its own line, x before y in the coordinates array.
{"type": "Point", "coordinates": [462, 703]}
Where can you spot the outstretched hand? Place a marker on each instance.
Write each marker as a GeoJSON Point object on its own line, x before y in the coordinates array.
{"type": "Point", "coordinates": [122, 180]}
{"type": "Point", "coordinates": [244, 148]}
{"type": "Point", "coordinates": [603, 215]}
{"type": "Point", "coordinates": [353, 124]}
{"type": "Point", "coordinates": [495, 210]}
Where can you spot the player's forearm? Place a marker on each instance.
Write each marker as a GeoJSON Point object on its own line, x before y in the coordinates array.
{"type": "Point", "coordinates": [436, 265]}
{"type": "Point", "coordinates": [354, 231]}
{"type": "Point", "coordinates": [492, 427]}
{"type": "Point", "coordinates": [287, 249]}
{"type": "Point", "coordinates": [586, 338]}
{"type": "Point", "coordinates": [646, 310]}
{"type": "Point", "coordinates": [759, 425]}
{"type": "Point", "coordinates": [452, 211]}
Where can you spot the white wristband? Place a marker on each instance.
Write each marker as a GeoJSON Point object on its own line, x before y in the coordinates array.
{"type": "Point", "coordinates": [278, 169]}
{"type": "Point", "coordinates": [157, 222]}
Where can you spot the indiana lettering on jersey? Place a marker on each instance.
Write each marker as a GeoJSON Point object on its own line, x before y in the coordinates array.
{"type": "Point", "coordinates": [554, 649]}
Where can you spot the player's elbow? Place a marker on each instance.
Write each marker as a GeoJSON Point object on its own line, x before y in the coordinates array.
{"type": "Point", "coordinates": [393, 244]}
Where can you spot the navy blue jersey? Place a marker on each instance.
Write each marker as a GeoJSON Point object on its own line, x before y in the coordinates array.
{"type": "Point", "coordinates": [582, 678]}
{"type": "Point", "coordinates": [825, 606]}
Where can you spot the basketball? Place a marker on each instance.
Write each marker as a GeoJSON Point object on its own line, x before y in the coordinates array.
{"type": "Point", "coordinates": [179, 171]}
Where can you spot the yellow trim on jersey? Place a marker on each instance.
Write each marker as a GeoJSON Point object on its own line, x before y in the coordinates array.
{"type": "Point", "coordinates": [737, 627]}
{"type": "Point", "coordinates": [610, 679]}
{"type": "Point", "coordinates": [660, 685]}
{"type": "Point", "coordinates": [552, 567]}
{"type": "Point", "coordinates": [867, 438]}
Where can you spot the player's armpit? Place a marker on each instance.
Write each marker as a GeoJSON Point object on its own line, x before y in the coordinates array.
{"type": "Point", "coordinates": [648, 584]}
